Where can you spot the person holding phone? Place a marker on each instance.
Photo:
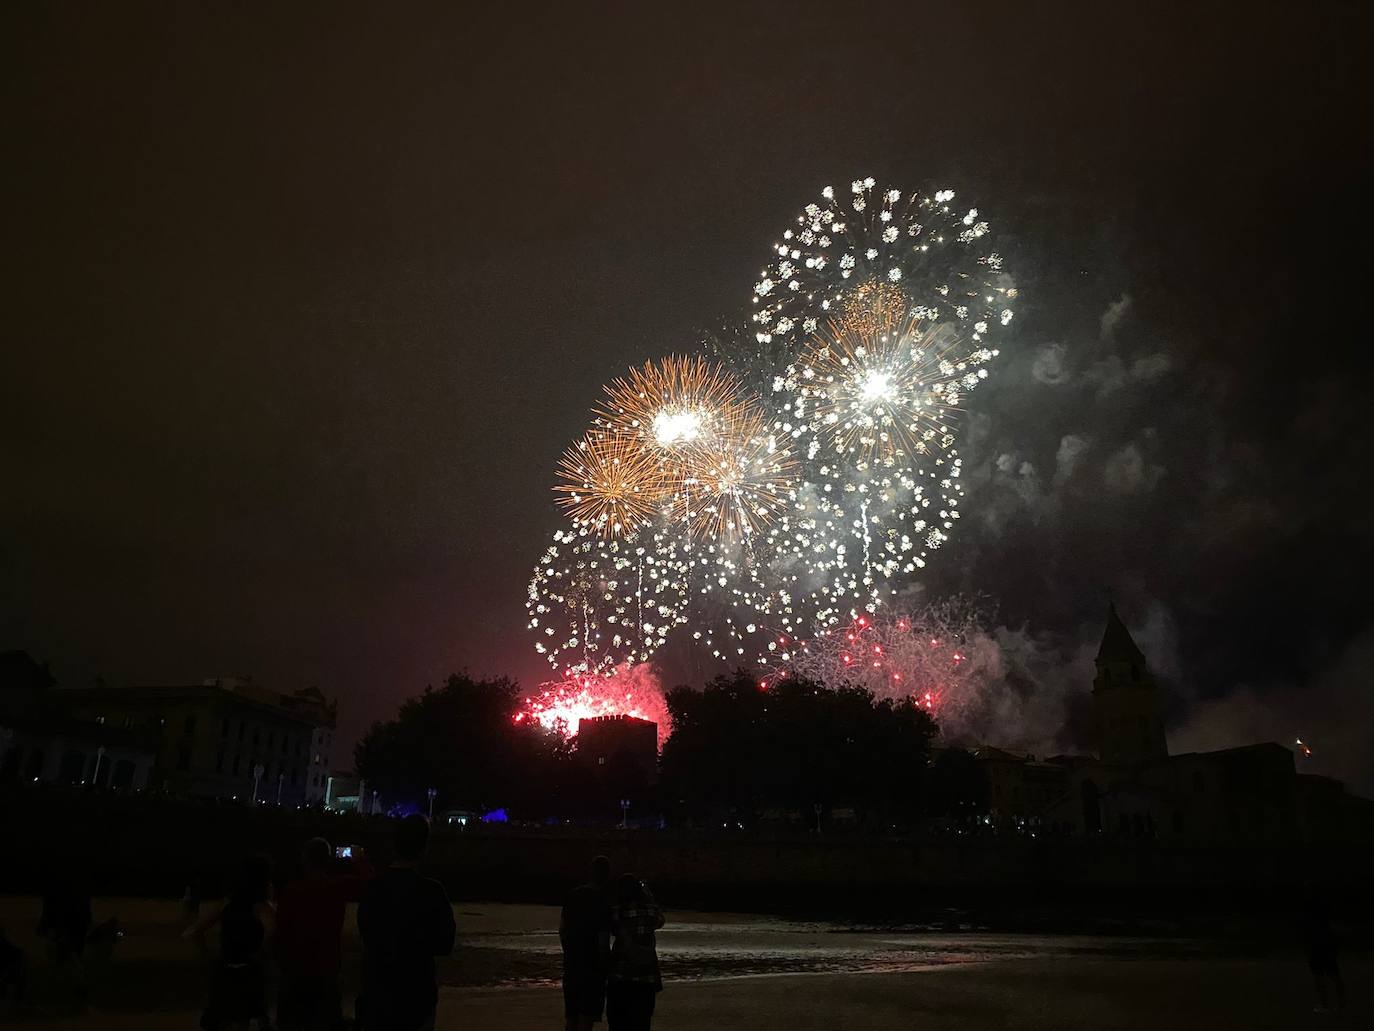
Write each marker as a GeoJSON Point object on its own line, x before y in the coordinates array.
{"type": "Point", "coordinates": [310, 916]}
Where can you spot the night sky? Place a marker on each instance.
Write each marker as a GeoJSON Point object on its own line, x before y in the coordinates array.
{"type": "Point", "coordinates": [304, 301]}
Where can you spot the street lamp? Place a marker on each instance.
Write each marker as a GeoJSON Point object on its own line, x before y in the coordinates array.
{"type": "Point", "coordinates": [431, 792]}
{"type": "Point", "coordinates": [624, 814]}
{"type": "Point", "coordinates": [280, 776]}
{"type": "Point", "coordinates": [817, 808]}
{"type": "Point", "coordinates": [258, 771]}
{"type": "Point", "coordinates": [95, 776]}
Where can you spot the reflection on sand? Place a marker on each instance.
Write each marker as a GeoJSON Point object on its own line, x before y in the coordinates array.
{"type": "Point", "coordinates": [701, 950]}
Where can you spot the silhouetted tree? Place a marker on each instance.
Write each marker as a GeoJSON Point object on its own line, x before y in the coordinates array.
{"type": "Point", "coordinates": [464, 741]}
{"type": "Point", "coordinates": [740, 750]}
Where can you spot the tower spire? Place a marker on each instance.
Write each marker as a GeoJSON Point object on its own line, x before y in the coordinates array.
{"type": "Point", "coordinates": [1117, 643]}
{"type": "Point", "coordinates": [1130, 725]}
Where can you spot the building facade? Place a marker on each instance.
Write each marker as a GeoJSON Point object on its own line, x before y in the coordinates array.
{"type": "Point", "coordinates": [40, 742]}
{"type": "Point", "coordinates": [312, 704]}
{"type": "Point", "coordinates": [226, 737]}
{"type": "Point", "coordinates": [64, 751]}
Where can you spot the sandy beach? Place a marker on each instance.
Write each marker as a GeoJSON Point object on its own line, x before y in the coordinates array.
{"type": "Point", "coordinates": [759, 972]}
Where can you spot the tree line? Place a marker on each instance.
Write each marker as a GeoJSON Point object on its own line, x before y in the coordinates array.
{"type": "Point", "coordinates": [739, 755]}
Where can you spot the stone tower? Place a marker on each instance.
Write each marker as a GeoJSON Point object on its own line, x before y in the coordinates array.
{"type": "Point", "coordinates": [1126, 705]}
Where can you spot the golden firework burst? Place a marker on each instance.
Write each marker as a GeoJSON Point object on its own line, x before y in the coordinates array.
{"type": "Point", "coordinates": [740, 483]}
{"type": "Point", "coordinates": [610, 483]}
{"type": "Point", "coordinates": [674, 405]}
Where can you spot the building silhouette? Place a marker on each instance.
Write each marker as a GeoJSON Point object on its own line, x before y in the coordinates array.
{"type": "Point", "coordinates": [1128, 716]}
{"type": "Point", "coordinates": [620, 747]}
{"type": "Point", "coordinates": [226, 737]}
{"type": "Point", "coordinates": [1131, 787]}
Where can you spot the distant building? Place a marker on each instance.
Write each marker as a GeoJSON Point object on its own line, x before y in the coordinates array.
{"type": "Point", "coordinates": [225, 737]}
{"type": "Point", "coordinates": [41, 743]}
{"type": "Point", "coordinates": [342, 791]}
{"type": "Point", "coordinates": [1018, 789]}
{"type": "Point", "coordinates": [324, 714]}
{"type": "Point", "coordinates": [1133, 787]}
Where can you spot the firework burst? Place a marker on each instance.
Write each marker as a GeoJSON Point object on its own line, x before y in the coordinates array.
{"type": "Point", "coordinates": [739, 484]}
{"type": "Point", "coordinates": [886, 304]}
{"type": "Point", "coordinates": [804, 487]}
{"type": "Point", "coordinates": [610, 484]}
{"type": "Point", "coordinates": [596, 603]}
{"type": "Point", "coordinates": [935, 656]}
{"type": "Point", "coordinates": [883, 386]}
{"type": "Point", "coordinates": [675, 405]}
{"type": "Point", "coordinates": [935, 254]}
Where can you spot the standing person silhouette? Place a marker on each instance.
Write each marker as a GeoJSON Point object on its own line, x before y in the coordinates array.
{"type": "Point", "coordinates": [634, 981]}
{"type": "Point", "coordinates": [405, 921]}
{"type": "Point", "coordinates": [310, 916]}
{"type": "Point", "coordinates": [66, 917]}
{"type": "Point", "coordinates": [1322, 954]}
{"type": "Point", "coordinates": [238, 985]}
{"type": "Point", "coordinates": [585, 933]}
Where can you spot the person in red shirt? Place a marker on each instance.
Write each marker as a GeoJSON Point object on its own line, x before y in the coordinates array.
{"type": "Point", "coordinates": [310, 916]}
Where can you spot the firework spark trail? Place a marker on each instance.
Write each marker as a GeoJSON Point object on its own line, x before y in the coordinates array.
{"type": "Point", "coordinates": [595, 603]}
{"type": "Point", "coordinates": [937, 656]}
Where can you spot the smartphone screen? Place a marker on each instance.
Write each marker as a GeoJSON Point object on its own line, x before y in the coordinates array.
{"type": "Point", "coordinates": [344, 852]}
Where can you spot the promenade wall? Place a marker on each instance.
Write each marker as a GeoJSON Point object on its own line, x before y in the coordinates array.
{"type": "Point", "coordinates": [148, 845]}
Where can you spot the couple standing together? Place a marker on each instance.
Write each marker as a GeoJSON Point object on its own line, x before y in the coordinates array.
{"type": "Point", "coordinates": [610, 957]}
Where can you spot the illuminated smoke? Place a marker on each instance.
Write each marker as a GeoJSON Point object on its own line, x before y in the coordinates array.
{"type": "Point", "coordinates": [626, 691]}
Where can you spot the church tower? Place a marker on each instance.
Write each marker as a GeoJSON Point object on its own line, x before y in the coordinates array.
{"type": "Point", "coordinates": [1130, 726]}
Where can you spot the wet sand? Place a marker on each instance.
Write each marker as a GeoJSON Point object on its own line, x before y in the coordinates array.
{"type": "Point", "coordinates": [1034, 995]}
{"type": "Point", "coordinates": [757, 972]}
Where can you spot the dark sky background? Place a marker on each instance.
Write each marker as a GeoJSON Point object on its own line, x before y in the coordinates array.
{"type": "Point", "coordinates": [303, 302]}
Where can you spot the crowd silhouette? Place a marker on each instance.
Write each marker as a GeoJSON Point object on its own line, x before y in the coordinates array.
{"type": "Point", "coordinates": [279, 958]}
{"type": "Point", "coordinates": [610, 954]}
